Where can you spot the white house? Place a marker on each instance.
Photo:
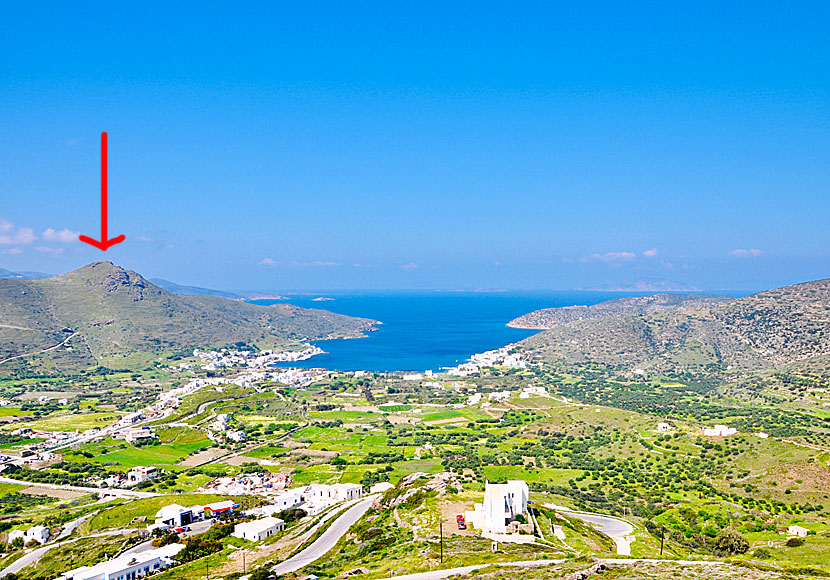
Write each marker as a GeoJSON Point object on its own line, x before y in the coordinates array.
{"type": "Point", "coordinates": [289, 499]}
{"type": "Point", "coordinates": [719, 431]}
{"type": "Point", "coordinates": [333, 493]}
{"type": "Point", "coordinates": [236, 435]}
{"type": "Point", "coordinates": [174, 515]}
{"type": "Point", "coordinates": [663, 427]}
{"type": "Point", "coordinates": [129, 566]}
{"type": "Point", "coordinates": [38, 533]}
{"type": "Point", "coordinates": [502, 503]}
{"type": "Point", "coordinates": [256, 530]}
{"type": "Point", "coordinates": [133, 435]}
{"type": "Point", "coordinates": [141, 473]}
{"type": "Point", "coordinates": [797, 531]}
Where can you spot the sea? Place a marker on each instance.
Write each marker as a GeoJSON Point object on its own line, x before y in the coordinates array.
{"type": "Point", "coordinates": [428, 330]}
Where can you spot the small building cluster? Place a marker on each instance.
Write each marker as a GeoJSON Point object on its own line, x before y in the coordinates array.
{"type": "Point", "coordinates": [247, 484]}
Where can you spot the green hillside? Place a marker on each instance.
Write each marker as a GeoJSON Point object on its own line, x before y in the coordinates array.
{"type": "Point", "coordinates": [113, 317]}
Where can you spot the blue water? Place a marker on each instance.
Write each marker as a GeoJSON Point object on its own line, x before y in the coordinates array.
{"type": "Point", "coordinates": [429, 329]}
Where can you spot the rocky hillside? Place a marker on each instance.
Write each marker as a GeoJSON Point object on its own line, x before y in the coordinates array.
{"type": "Point", "coordinates": [552, 317]}
{"type": "Point", "coordinates": [104, 314]}
{"type": "Point", "coordinates": [778, 327]}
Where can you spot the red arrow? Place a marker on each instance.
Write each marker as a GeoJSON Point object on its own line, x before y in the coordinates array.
{"type": "Point", "coordinates": [105, 243]}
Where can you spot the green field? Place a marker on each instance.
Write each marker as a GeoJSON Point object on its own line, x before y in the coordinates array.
{"type": "Point", "coordinates": [74, 422]}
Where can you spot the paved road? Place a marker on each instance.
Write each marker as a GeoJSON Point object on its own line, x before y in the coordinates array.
{"type": "Point", "coordinates": [327, 540]}
{"type": "Point", "coordinates": [616, 529]}
{"type": "Point", "coordinates": [73, 525]}
{"type": "Point", "coordinates": [115, 492]}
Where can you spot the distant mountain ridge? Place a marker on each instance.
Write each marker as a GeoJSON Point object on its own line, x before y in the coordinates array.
{"type": "Point", "coordinates": [102, 314]}
{"type": "Point", "coordinates": [771, 329]}
{"type": "Point", "coordinates": [194, 290]}
{"type": "Point", "coordinates": [9, 275]}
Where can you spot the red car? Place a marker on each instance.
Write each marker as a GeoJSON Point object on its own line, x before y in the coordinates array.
{"type": "Point", "coordinates": [459, 519]}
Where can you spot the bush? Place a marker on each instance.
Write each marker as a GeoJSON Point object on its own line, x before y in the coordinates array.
{"type": "Point", "coordinates": [292, 515]}
{"type": "Point", "coordinates": [263, 573]}
{"type": "Point", "coordinates": [196, 548]}
{"type": "Point", "coordinates": [728, 541]}
{"type": "Point", "coordinates": [794, 542]}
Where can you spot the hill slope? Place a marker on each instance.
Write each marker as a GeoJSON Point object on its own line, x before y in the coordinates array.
{"type": "Point", "coordinates": [769, 329]}
{"type": "Point", "coordinates": [116, 318]}
{"type": "Point", "coordinates": [548, 318]}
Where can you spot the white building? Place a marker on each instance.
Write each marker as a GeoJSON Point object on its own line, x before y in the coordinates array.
{"type": "Point", "coordinates": [256, 530]}
{"type": "Point", "coordinates": [174, 515]}
{"type": "Point", "coordinates": [345, 491]}
{"type": "Point", "coordinates": [719, 431]}
{"type": "Point", "coordinates": [141, 473]}
{"type": "Point", "coordinates": [663, 427]}
{"type": "Point", "coordinates": [38, 533]}
{"type": "Point", "coordinates": [127, 567]}
{"type": "Point", "coordinates": [502, 503]}
{"type": "Point", "coordinates": [797, 531]}
{"type": "Point", "coordinates": [289, 499]}
{"type": "Point", "coordinates": [236, 435]}
{"type": "Point", "coordinates": [133, 435]}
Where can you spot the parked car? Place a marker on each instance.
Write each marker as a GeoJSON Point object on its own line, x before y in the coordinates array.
{"type": "Point", "coordinates": [459, 519]}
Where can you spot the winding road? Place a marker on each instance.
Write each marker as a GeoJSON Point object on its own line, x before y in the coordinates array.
{"type": "Point", "coordinates": [617, 529]}
{"type": "Point", "coordinates": [327, 539]}
{"type": "Point", "coordinates": [63, 342]}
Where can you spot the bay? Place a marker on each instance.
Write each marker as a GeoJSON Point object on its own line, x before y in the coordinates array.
{"type": "Point", "coordinates": [428, 330]}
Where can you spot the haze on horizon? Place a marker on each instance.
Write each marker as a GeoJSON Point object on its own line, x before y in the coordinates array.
{"type": "Point", "coordinates": [415, 146]}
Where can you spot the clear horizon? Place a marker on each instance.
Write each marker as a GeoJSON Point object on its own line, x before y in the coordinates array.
{"type": "Point", "coordinates": [287, 147]}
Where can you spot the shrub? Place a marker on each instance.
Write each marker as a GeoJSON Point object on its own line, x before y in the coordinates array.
{"type": "Point", "coordinates": [728, 541]}
{"type": "Point", "coordinates": [794, 542]}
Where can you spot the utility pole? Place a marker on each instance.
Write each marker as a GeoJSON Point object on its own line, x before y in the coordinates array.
{"type": "Point", "coordinates": [207, 570]}
{"type": "Point", "coordinates": [662, 532]}
{"type": "Point", "coordinates": [243, 562]}
{"type": "Point", "coordinates": [441, 532]}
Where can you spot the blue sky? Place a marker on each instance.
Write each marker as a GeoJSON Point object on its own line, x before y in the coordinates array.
{"type": "Point", "coordinates": [421, 145]}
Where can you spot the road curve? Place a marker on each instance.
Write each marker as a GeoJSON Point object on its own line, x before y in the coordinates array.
{"type": "Point", "coordinates": [615, 528]}
{"type": "Point", "coordinates": [327, 540]}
